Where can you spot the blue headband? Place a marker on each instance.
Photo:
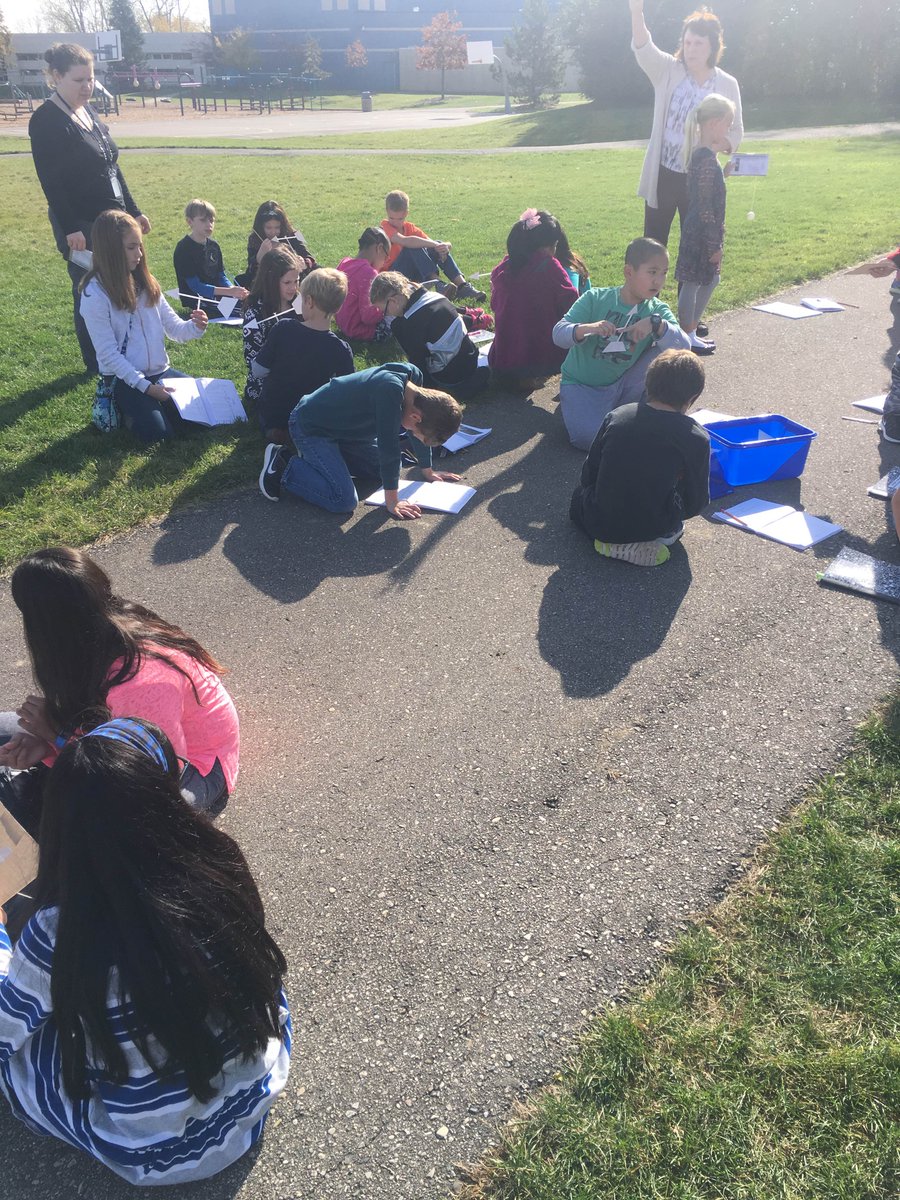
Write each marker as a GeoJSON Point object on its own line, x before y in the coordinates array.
{"type": "Point", "coordinates": [133, 734]}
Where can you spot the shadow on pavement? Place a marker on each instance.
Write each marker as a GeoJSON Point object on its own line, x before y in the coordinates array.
{"type": "Point", "coordinates": [47, 1167]}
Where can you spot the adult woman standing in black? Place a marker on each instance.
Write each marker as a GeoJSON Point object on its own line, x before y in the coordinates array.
{"type": "Point", "coordinates": [77, 164]}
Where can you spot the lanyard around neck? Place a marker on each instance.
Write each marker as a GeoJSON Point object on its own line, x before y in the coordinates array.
{"type": "Point", "coordinates": [93, 129]}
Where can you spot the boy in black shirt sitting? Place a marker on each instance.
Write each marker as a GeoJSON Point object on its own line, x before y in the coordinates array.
{"type": "Point", "coordinates": [199, 268]}
{"type": "Point", "coordinates": [648, 467]}
{"type": "Point", "coordinates": [301, 356]}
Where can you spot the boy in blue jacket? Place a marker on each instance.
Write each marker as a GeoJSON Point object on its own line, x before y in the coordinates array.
{"type": "Point", "coordinates": [351, 426]}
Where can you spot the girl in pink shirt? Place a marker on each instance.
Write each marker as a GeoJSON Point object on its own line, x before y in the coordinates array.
{"type": "Point", "coordinates": [358, 317]}
{"type": "Point", "coordinates": [95, 655]}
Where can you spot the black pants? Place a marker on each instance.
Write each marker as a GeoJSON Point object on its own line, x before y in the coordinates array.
{"type": "Point", "coordinates": [671, 197]}
{"type": "Point", "coordinates": [85, 345]}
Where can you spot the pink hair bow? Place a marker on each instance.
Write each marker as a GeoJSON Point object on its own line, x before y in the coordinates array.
{"type": "Point", "coordinates": [530, 217]}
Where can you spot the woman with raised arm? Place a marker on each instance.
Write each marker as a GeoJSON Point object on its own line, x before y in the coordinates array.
{"type": "Point", "coordinates": [77, 163]}
{"type": "Point", "coordinates": [680, 81]}
{"type": "Point", "coordinates": [142, 1017]}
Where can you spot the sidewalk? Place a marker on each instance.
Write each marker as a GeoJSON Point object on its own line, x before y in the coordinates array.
{"type": "Point", "coordinates": [486, 775]}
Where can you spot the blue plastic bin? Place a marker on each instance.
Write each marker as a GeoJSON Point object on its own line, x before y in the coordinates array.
{"type": "Point", "coordinates": [757, 449]}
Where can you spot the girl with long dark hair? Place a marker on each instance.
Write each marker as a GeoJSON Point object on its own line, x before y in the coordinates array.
{"type": "Point", "coordinates": [96, 655]}
{"type": "Point", "coordinates": [530, 291]}
{"type": "Point", "coordinates": [142, 1018]}
{"type": "Point", "coordinates": [274, 290]}
{"type": "Point", "coordinates": [272, 228]}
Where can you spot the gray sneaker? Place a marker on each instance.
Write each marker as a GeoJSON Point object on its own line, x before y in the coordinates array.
{"type": "Point", "coordinates": [466, 292]}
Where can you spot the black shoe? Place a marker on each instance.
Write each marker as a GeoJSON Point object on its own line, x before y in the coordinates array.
{"type": "Point", "coordinates": [703, 347]}
{"type": "Point", "coordinates": [703, 330]}
{"type": "Point", "coordinates": [465, 291]}
{"type": "Point", "coordinates": [273, 466]}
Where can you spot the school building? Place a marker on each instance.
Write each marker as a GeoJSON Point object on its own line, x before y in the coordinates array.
{"type": "Point", "coordinates": [170, 57]}
{"type": "Point", "coordinates": [388, 29]}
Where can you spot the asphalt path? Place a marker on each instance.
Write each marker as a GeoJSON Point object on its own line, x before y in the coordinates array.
{"type": "Point", "coordinates": [488, 776]}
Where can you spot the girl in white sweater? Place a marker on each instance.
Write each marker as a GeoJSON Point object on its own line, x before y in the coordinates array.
{"type": "Point", "coordinates": [129, 319]}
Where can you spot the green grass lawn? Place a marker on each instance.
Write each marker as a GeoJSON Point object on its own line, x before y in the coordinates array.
{"type": "Point", "coordinates": [764, 1061]}
{"type": "Point", "coordinates": [826, 204]}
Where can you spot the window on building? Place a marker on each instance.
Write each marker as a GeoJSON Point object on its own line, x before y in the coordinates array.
{"type": "Point", "coordinates": [327, 5]}
{"type": "Point", "coordinates": [216, 8]}
{"type": "Point", "coordinates": [229, 8]}
{"type": "Point", "coordinates": [379, 5]}
{"type": "Point", "coordinates": [343, 5]}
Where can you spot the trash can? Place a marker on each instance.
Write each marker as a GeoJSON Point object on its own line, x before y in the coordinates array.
{"type": "Point", "coordinates": [366, 98]}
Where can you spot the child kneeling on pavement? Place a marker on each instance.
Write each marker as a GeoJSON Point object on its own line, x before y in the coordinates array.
{"type": "Point", "coordinates": [351, 427]}
{"type": "Point", "coordinates": [648, 468]}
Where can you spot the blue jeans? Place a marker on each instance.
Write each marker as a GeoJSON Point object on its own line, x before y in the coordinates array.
{"type": "Point", "coordinates": [148, 419]}
{"type": "Point", "coordinates": [421, 263]}
{"type": "Point", "coordinates": [321, 471]}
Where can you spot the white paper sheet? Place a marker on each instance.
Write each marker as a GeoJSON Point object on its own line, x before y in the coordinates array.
{"type": "Point", "coordinates": [794, 311]}
{"type": "Point", "coordinates": [231, 322]}
{"type": "Point", "coordinates": [778, 522]}
{"type": "Point", "coordinates": [749, 164]}
{"type": "Point", "coordinates": [439, 496]}
{"type": "Point", "coordinates": [206, 401]}
{"type": "Point", "coordinates": [873, 404]}
{"type": "Point", "coordinates": [466, 435]}
{"type": "Point", "coordinates": [703, 416]}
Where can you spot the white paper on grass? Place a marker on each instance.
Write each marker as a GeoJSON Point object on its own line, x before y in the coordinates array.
{"type": "Point", "coordinates": [230, 322]}
{"type": "Point", "coordinates": [749, 164]}
{"type": "Point", "coordinates": [439, 496]}
{"type": "Point", "coordinates": [794, 311]}
{"type": "Point", "coordinates": [206, 401]}
{"type": "Point", "coordinates": [778, 522]}
{"type": "Point", "coordinates": [466, 435]}
{"type": "Point", "coordinates": [873, 404]}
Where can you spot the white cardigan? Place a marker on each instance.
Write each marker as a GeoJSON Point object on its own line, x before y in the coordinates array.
{"type": "Point", "coordinates": [665, 72]}
{"type": "Point", "coordinates": [147, 328]}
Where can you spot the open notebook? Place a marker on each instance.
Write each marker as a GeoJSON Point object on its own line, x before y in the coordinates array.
{"type": "Point", "coordinates": [778, 522]}
{"type": "Point", "coordinates": [206, 401]}
{"type": "Point", "coordinates": [439, 496]}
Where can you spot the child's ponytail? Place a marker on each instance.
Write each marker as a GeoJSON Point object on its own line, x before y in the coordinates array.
{"type": "Point", "coordinates": [710, 108]}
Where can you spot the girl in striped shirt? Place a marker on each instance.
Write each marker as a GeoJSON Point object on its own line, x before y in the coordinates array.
{"type": "Point", "coordinates": [142, 1018]}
